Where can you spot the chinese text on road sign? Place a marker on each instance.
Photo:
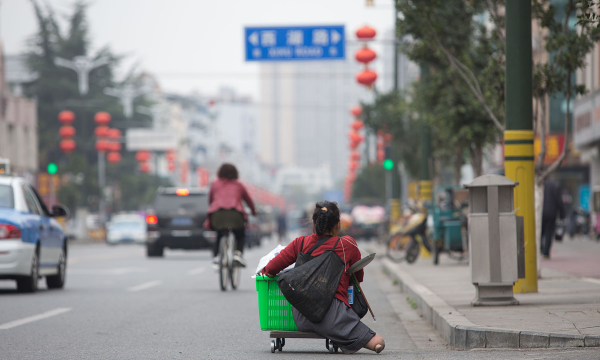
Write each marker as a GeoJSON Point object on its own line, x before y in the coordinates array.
{"type": "Point", "coordinates": [295, 43]}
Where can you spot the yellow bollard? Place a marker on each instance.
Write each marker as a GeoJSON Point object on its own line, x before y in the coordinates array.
{"type": "Point", "coordinates": [519, 167]}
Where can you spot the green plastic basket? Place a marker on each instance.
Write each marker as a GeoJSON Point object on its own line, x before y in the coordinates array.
{"type": "Point", "coordinates": [274, 311]}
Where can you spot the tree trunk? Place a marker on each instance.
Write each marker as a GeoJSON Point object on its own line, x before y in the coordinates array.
{"type": "Point", "coordinates": [458, 163]}
{"type": "Point", "coordinates": [476, 157]}
{"type": "Point", "coordinates": [539, 207]}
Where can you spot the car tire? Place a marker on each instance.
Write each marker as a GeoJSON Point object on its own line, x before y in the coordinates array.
{"type": "Point", "coordinates": [58, 281]}
{"type": "Point", "coordinates": [154, 250]}
{"type": "Point", "coordinates": [30, 283]}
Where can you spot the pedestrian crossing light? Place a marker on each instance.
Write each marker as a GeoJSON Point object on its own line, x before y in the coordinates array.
{"type": "Point", "coordinates": [52, 168]}
{"type": "Point", "coordinates": [388, 164]}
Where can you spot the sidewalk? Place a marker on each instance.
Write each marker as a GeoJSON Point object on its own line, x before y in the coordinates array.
{"type": "Point", "coordinates": [564, 313]}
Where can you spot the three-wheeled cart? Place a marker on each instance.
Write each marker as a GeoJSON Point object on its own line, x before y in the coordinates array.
{"type": "Point", "coordinates": [275, 314]}
{"type": "Point", "coordinates": [448, 222]}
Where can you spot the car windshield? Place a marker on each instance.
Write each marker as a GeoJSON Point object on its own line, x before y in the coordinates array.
{"type": "Point", "coordinates": [127, 225]}
{"type": "Point", "coordinates": [170, 202]}
{"type": "Point", "coordinates": [6, 197]}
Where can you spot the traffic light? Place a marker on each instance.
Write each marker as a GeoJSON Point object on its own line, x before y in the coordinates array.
{"type": "Point", "coordinates": [388, 163]}
{"type": "Point", "coordinates": [52, 168]}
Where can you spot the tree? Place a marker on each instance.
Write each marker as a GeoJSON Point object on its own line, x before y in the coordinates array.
{"type": "Point", "coordinates": [56, 89]}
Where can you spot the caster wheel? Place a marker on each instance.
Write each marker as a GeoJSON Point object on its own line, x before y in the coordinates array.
{"type": "Point", "coordinates": [336, 348]}
{"type": "Point", "coordinates": [331, 347]}
{"type": "Point", "coordinates": [279, 344]}
{"type": "Point", "coordinates": [272, 345]}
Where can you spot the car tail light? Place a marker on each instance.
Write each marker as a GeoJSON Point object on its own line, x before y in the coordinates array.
{"type": "Point", "coordinates": [151, 219]}
{"type": "Point", "coordinates": [182, 192]}
{"type": "Point", "coordinates": [9, 232]}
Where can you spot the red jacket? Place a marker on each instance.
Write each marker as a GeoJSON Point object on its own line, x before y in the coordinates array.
{"type": "Point", "coordinates": [346, 249]}
{"type": "Point", "coordinates": [228, 194]}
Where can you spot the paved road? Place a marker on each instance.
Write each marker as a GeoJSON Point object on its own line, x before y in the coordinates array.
{"type": "Point", "coordinates": [118, 304]}
{"type": "Point", "coordinates": [578, 256]}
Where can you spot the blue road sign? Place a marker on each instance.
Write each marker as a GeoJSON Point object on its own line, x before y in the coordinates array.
{"type": "Point", "coordinates": [295, 43]}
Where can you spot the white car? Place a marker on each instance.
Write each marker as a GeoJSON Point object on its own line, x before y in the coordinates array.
{"type": "Point", "coordinates": [32, 243]}
{"type": "Point", "coordinates": [126, 228]}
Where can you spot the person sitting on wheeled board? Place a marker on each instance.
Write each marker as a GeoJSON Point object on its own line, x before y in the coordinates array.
{"type": "Point", "coordinates": [340, 324]}
{"type": "Point", "coordinates": [226, 211]}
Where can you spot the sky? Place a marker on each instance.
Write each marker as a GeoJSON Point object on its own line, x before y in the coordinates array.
{"type": "Point", "coordinates": [193, 45]}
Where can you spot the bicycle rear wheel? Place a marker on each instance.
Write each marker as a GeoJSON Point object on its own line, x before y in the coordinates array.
{"type": "Point", "coordinates": [396, 247]}
{"type": "Point", "coordinates": [234, 270]}
{"type": "Point", "coordinates": [223, 264]}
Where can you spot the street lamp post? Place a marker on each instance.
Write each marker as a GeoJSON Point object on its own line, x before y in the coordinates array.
{"type": "Point", "coordinates": [82, 65]}
{"type": "Point", "coordinates": [518, 137]}
{"type": "Point", "coordinates": [126, 94]}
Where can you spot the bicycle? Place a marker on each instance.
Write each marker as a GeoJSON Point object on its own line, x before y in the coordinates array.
{"type": "Point", "coordinates": [228, 269]}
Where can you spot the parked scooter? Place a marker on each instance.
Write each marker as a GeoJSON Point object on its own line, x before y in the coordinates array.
{"type": "Point", "coordinates": [579, 222]}
{"type": "Point", "coordinates": [406, 237]}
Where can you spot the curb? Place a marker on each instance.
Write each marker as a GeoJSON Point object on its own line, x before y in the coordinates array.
{"type": "Point", "coordinates": [462, 334]}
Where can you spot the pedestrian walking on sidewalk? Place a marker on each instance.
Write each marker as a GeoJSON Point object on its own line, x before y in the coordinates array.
{"type": "Point", "coordinates": [281, 226]}
{"type": "Point", "coordinates": [340, 323]}
{"type": "Point", "coordinates": [553, 204]}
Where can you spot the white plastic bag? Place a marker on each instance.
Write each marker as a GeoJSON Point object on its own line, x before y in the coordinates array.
{"type": "Point", "coordinates": [265, 260]}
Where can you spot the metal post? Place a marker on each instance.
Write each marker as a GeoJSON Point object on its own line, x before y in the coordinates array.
{"type": "Point", "coordinates": [518, 137]}
{"type": "Point", "coordinates": [101, 184]}
{"type": "Point", "coordinates": [425, 176]}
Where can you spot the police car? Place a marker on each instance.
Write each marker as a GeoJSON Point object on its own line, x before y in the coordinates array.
{"type": "Point", "coordinates": [32, 242]}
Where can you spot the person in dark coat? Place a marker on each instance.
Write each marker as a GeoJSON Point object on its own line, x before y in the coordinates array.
{"type": "Point", "coordinates": [553, 204]}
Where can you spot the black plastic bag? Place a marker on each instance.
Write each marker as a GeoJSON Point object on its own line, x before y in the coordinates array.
{"type": "Point", "coordinates": [359, 305]}
{"type": "Point", "coordinates": [311, 285]}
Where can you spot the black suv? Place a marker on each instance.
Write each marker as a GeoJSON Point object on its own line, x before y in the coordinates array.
{"type": "Point", "coordinates": [176, 221]}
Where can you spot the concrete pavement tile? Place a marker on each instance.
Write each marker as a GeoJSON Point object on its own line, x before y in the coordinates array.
{"type": "Point", "coordinates": [475, 338]}
{"type": "Point", "coordinates": [564, 340]}
{"type": "Point", "coordinates": [533, 340]}
{"type": "Point", "coordinates": [499, 338]}
{"type": "Point", "coordinates": [592, 341]}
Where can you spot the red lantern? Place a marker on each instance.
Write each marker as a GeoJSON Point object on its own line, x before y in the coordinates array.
{"type": "Point", "coordinates": [357, 125]}
{"type": "Point", "coordinates": [387, 137]}
{"type": "Point", "coordinates": [114, 146]}
{"type": "Point", "coordinates": [380, 155]}
{"type": "Point", "coordinates": [171, 166]}
{"type": "Point", "coordinates": [353, 165]}
{"type": "Point", "coordinates": [102, 118]}
{"type": "Point", "coordinates": [102, 145]}
{"type": "Point", "coordinates": [114, 134]}
{"type": "Point", "coordinates": [66, 131]}
{"type": "Point", "coordinates": [170, 156]}
{"type": "Point", "coordinates": [145, 167]}
{"type": "Point", "coordinates": [353, 145]}
{"type": "Point", "coordinates": [101, 131]}
{"type": "Point", "coordinates": [366, 77]}
{"type": "Point", "coordinates": [67, 146]}
{"type": "Point", "coordinates": [66, 117]}
{"type": "Point", "coordinates": [354, 155]}
{"type": "Point", "coordinates": [365, 55]}
{"type": "Point", "coordinates": [113, 157]}
{"type": "Point", "coordinates": [366, 33]}
{"type": "Point", "coordinates": [142, 156]}
{"type": "Point", "coordinates": [356, 111]}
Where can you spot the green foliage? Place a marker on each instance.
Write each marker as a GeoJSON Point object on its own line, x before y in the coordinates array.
{"type": "Point", "coordinates": [56, 89]}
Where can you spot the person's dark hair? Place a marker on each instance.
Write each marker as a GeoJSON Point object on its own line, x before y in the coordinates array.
{"type": "Point", "coordinates": [228, 171]}
{"type": "Point", "coordinates": [325, 216]}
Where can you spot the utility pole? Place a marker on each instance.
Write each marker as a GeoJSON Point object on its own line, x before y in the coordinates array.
{"type": "Point", "coordinates": [102, 185]}
{"type": "Point", "coordinates": [518, 136]}
{"type": "Point", "coordinates": [425, 188]}
{"type": "Point", "coordinates": [126, 93]}
{"type": "Point", "coordinates": [82, 65]}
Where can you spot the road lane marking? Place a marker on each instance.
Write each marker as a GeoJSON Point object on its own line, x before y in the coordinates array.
{"type": "Point", "coordinates": [196, 271]}
{"type": "Point", "coordinates": [42, 316]}
{"type": "Point", "coordinates": [591, 280]}
{"type": "Point", "coordinates": [144, 286]}
{"type": "Point", "coordinates": [115, 271]}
